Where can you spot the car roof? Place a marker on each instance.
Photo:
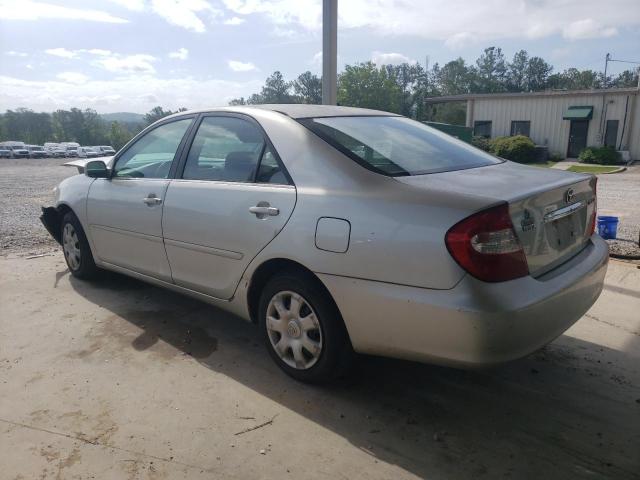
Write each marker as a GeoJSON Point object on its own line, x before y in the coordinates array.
{"type": "Point", "coordinates": [296, 110]}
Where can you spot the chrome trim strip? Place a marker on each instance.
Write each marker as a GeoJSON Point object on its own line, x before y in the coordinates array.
{"type": "Point", "coordinates": [562, 212]}
{"type": "Point", "coordinates": [203, 249]}
{"type": "Point", "coordinates": [121, 231]}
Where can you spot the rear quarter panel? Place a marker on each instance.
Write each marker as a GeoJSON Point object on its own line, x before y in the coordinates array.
{"type": "Point", "coordinates": [397, 230]}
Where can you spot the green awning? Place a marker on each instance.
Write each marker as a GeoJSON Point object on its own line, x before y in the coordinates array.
{"type": "Point", "coordinates": [578, 113]}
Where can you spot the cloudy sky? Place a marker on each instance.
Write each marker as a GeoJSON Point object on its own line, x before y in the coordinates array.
{"type": "Point", "coordinates": [130, 55]}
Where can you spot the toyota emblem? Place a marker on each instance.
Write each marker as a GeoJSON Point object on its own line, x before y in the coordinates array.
{"type": "Point", "coordinates": [568, 196]}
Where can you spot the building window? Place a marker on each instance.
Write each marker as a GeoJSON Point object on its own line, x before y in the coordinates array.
{"type": "Point", "coordinates": [482, 128]}
{"type": "Point", "coordinates": [520, 127]}
{"type": "Point", "coordinates": [611, 133]}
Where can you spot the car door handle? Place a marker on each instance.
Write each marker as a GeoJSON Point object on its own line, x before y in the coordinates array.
{"type": "Point", "coordinates": [152, 200]}
{"type": "Point", "coordinates": [261, 211]}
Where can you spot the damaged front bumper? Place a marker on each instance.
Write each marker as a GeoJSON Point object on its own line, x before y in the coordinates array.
{"type": "Point", "coordinates": [51, 219]}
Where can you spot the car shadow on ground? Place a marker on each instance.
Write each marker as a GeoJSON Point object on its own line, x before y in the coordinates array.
{"type": "Point", "coordinates": [567, 411]}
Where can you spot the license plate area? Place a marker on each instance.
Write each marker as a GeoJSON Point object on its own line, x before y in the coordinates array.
{"type": "Point", "coordinates": [565, 227]}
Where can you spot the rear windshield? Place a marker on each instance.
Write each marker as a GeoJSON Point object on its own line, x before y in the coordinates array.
{"type": "Point", "coordinates": [397, 146]}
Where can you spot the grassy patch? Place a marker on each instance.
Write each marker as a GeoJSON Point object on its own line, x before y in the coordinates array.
{"type": "Point", "coordinates": [591, 169]}
{"type": "Point", "coordinates": [547, 164]}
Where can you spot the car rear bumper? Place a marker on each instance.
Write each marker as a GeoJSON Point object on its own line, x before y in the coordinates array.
{"type": "Point", "coordinates": [475, 323]}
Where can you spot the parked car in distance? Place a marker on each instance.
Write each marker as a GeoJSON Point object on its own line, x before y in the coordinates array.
{"type": "Point", "coordinates": [70, 148]}
{"type": "Point", "coordinates": [5, 152]}
{"type": "Point", "coordinates": [104, 150]}
{"type": "Point", "coordinates": [57, 152]}
{"type": "Point", "coordinates": [36, 151]}
{"type": "Point", "coordinates": [71, 151]}
{"type": "Point", "coordinates": [87, 152]}
{"type": "Point", "coordinates": [18, 151]}
{"type": "Point", "coordinates": [340, 229]}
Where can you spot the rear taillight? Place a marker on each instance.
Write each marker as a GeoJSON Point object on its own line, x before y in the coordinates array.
{"type": "Point", "coordinates": [592, 222]}
{"type": "Point", "coordinates": [486, 246]}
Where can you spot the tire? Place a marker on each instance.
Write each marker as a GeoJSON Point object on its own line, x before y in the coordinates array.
{"type": "Point", "coordinates": [75, 247]}
{"type": "Point", "coordinates": [316, 346]}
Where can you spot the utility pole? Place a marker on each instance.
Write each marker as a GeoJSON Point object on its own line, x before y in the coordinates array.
{"type": "Point", "coordinates": [329, 52]}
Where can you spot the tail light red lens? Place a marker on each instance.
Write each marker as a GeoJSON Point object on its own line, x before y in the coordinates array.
{"type": "Point", "coordinates": [594, 215]}
{"type": "Point", "coordinates": [486, 246]}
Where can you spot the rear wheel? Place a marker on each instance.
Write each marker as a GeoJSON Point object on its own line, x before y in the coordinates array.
{"type": "Point", "coordinates": [75, 246]}
{"type": "Point", "coordinates": [303, 329]}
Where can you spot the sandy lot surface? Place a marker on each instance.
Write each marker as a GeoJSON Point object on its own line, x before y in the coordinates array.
{"type": "Point", "coordinates": [120, 380]}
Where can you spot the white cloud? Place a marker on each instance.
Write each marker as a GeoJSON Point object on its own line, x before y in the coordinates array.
{"type": "Point", "coordinates": [123, 64]}
{"type": "Point", "coordinates": [180, 54]}
{"type": "Point", "coordinates": [184, 13]}
{"type": "Point", "coordinates": [380, 58]}
{"type": "Point", "coordinates": [61, 52]}
{"type": "Point", "coordinates": [234, 21]}
{"type": "Point", "coordinates": [137, 93]}
{"type": "Point", "coordinates": [458, 22]}
{"type": "Point", "coordinates": [72, 77]}
{"type": "Point", "coordinates": [135, 5]}
{"type": "Point", "coordinates": [13, 53]}
{"type": "Point", "coordinates": [316, 60]}
{"type": "Point", "coordinates": [34, 10]}
{"type": "Point", "coordinates": [587, 28]}
{"type": "Point", "coordinates": [459, 40]}
{"type": "Point", "coordinates": [237, 66]}
{"type": "Point", "coordinates": [97, 51]}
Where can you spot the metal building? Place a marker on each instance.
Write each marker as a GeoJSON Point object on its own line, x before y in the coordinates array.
{"type": "Point", "coordinates": [566, 121]}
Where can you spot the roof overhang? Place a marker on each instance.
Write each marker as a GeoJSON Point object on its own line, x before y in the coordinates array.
{"type": "Point", "coordinates": [578, 113]}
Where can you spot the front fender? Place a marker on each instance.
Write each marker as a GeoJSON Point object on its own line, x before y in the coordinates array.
{"type": "Point", "coordinates": [51, 219]}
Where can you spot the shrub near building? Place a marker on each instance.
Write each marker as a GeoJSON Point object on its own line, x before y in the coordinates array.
{"type": "Point", "coordinates": [518, 148]}
{"type": "Point", "coordinates": [599, 155]}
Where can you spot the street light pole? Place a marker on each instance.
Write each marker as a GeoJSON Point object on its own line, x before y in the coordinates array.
{"type": "Point", "coordinates": [329, 52]}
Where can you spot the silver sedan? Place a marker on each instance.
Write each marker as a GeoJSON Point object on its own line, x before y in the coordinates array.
{"type": "Point", "coordinates": [341, 230]}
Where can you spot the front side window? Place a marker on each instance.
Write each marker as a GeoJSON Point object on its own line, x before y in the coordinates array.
{"type": "Point", "coordinates": [225, 149]}
{"type": "Point", "coordinates": [520, 127]}
{"type": "Point", "coordinates": [397, 146]}
{"type": "Point", "coordinates": [152, 154]}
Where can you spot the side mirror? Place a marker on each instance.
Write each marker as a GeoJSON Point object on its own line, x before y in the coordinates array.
{"type": "Point", "coordinates": [96, 169]}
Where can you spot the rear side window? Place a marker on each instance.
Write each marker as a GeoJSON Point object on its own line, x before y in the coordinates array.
{"type": "Point", "coordinates": [152, 154]}
{"type": "Point", "coordinates": [231, 149]}
{"type": "Point", "coordinates": [397, 146]}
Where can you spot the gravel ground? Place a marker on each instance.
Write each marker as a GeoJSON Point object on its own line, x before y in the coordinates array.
{"type": "Point", "coordinates": [619, 195]}
{"type": "Point", "coordinates": [26, 185]}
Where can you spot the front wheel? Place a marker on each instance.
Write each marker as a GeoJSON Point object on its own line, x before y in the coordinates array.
{"type": "Point", "coordinates": [303, 329]}
{"type": "Point", "coordinates": [75, 246]}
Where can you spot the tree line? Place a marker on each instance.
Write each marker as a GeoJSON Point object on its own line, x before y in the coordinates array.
{"type": "Point", "coordinates": [403, 88]}
{"type": "Point", "coordinates": [395, 88]}
{"type": "Point", "coordinates": [86, 126]}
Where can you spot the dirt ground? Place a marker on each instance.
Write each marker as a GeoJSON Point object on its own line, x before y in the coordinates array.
{"type": "Point", "coordinates": [120, 380]}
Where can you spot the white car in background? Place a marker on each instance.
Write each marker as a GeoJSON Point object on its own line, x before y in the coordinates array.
{"type": "Point", "coordinates": [104, 150]}
{"type": "Point", "coordinates": [87, 152]}
{"type": "Point", "coordinates": [340, 229]}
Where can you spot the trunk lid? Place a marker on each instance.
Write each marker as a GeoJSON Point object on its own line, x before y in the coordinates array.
{"type": "Point", "coordinates": [551, 210]}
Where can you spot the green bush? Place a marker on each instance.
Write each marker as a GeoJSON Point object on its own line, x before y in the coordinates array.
{"type": "Point", "coordinates": [599, 155]}
{"type": "Point", "coordinates": [483, 143]}
{"type": "Point", "coordinates": [518, 148]}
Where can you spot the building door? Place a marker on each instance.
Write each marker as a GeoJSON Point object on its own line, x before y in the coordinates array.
{"type": "Point", "coordinates": [577, 137]}
{"type": "Point", "coordinates": [611, 133]}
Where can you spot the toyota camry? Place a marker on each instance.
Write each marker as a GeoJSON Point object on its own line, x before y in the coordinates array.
{"type": "Point", "coordinates": [339, 230]}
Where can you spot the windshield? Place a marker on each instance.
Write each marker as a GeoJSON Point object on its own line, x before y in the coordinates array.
{"type": "Point", "coordinates": [397, 146]}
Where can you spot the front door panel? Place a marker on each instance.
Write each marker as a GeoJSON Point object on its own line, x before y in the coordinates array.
{"type": "Point", "coordinates": [211, 235]}
{"type": "Point", "coordinates": [126, 224]}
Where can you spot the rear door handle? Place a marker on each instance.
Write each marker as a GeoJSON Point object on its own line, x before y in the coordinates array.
{"type": "Point", "coordinates": [152, 200]}
{"type": "Point", "coordinates": [262, 211]}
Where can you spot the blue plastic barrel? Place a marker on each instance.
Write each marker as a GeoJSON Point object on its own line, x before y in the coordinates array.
{"type": "Point", "coordinates": [608, 227]}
